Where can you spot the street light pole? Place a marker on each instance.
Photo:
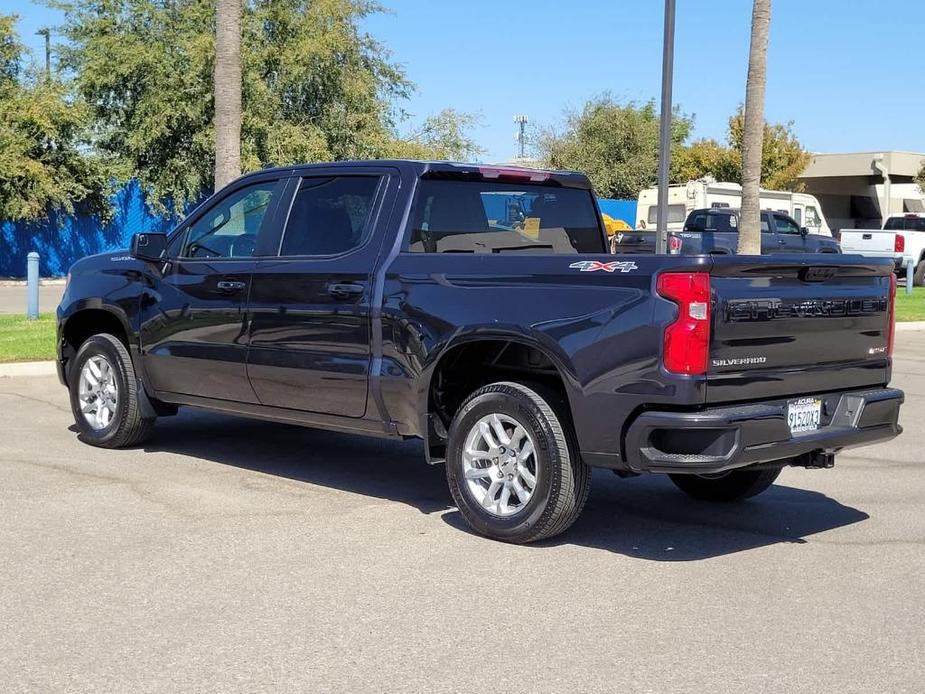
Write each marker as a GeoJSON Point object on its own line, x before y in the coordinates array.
{"type": "Point", "coordinates": [664, 142]}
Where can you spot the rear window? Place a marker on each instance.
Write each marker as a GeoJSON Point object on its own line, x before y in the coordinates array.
{"type": "Point", "coordinates": [453, 216]}
{"type": "Point", "coordinates": [709, 221]}
{"type": "Point", "coordinates": [905, 224]}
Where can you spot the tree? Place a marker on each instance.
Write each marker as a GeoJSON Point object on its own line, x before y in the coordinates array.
{"type": "Point", "coordinates": [753, 128]}
{"type": "Point", "coordinates": [227, 91]}
{"type": "Point", "coordinates": [920, 177]}
{"type": "Point", "coordinates": [783, 159]}
{"type": "Point", "coordinates": [443, 136]}
{"type": "Point", "coordinates": [706, 157]}
{"type": "Point", "coordinates": [615, 144]}
{"type": "Point", "coordinates": [43, 165]}
{"type": "Point", "coordinates": [314, 87]}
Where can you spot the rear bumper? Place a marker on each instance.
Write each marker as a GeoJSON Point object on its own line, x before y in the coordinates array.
{"type": "Point", "coordinates": [718, 439]}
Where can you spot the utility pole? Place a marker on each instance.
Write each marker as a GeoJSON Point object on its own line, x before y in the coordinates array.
{"type": "Point", "coordinates": [46, 32]}
{"type": "Point", "coordinates": [521, 136]}
{"type": "Point", "coordinates": [664, 140]}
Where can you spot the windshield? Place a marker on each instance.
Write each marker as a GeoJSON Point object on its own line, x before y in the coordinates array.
{"type": "Point", "coordinates": [452, 216]}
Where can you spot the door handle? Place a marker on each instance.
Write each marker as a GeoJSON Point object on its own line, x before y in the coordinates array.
{"type": "Point", "coordinates": [231, 285]}
{"type": "Point", "coordinates": [781, 242]}
{"type": "Point", "coordinates": [345, 290]}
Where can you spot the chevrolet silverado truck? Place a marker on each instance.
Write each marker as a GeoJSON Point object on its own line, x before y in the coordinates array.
{"type": "Point", "coordinates": [386, 298]}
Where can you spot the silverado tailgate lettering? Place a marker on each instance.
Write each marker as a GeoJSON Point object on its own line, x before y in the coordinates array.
{"type": "Point", "coordinates": [745, 310]}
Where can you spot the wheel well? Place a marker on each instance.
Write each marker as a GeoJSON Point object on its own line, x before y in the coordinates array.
{"type": "Point", "coordinates": [87, 323]}
{"type": "Point", "coordinates": [467, 367]}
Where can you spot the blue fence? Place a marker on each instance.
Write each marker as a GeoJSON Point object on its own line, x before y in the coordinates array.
{"type": "Point", "coordinates": [619, 209]}
{"type": "Point", "coordinates": [61, 240]}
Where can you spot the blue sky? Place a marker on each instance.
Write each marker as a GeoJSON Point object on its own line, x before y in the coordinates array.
{"type": "Point", "coordinates": [845, 71]}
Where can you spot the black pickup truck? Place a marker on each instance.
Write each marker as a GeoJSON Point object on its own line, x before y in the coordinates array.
{"type": "Point", "coordinates": [400, 299]}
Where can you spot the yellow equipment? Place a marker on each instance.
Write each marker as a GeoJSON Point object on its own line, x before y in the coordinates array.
{"type": "Point", "coordinates": [614, 225]}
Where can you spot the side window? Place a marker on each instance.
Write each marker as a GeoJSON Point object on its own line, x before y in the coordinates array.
{"type": "Point", "coordinates": [785, 225]}
{"type": "Point", "coordinates": [229, 229]}
{"type": "Point", "coordinates": [329, 215]}
{"type": "Point", "coordinates": [765, 227]}
{"type": "Point", "coordinates": [798, 215]}
{"type": "Point", "coordinates": [812, 217]}
{"type": "Point", "coordinates": [676, 213]}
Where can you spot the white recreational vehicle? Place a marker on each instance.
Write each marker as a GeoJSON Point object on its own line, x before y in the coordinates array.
{"type": "Point", "coordinates": [706, 192]}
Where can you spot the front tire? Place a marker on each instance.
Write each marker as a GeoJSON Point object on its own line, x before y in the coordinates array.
{"type": "Point", "coordinates": [730, 486]}
{"type": "Point", "coordinates": [510, 466]}
{"type": "Point", "coordinates": [104, 395]}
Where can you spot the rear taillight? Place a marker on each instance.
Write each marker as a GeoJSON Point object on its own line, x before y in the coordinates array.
{"type": "Point", "coordinates": [899, 243]}
{"type": "Point", "coordinates": [686, 343]}
{"type": "Point", "coordinates": [674, 245]}
{"type": "Point", "coordinates": [892, 329]}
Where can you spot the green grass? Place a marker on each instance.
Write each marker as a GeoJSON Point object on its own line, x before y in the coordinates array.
{"type": "Point", "coordinates": [910, 307]}
{"type": "Point", "coordinates": [22, 339]}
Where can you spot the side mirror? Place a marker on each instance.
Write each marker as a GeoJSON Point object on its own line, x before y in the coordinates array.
{"type": "Point", "coordinates": [149, 246]}
{"type": "Point", "coordinates": [804, 231]}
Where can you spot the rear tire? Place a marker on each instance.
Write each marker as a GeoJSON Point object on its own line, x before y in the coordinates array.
{"type": "Point", "coordinates": [104, 395]}
{"type": "Point", "coordinates": [501, 491]}
{"type": "Point", "coordinates": [731, 486]}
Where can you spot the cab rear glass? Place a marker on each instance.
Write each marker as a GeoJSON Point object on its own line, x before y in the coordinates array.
{"type": "Point", "coordinates": [905, 224]}
{"type": "Point", "coordinates": [457, 216]}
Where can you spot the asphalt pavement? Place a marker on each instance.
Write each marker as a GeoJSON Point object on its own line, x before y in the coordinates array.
{"type": "Point", "coordinates": [13, 297]}
{"type": "Point", "coordinates": [235, 555]}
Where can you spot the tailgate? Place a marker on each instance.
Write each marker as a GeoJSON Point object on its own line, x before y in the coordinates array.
{"type": "Point", "coordinates": [867, 241]}
{"type": "Point", "coordinates": [633, 242]}
{"type": "Point", "coordinates": [795, 327]}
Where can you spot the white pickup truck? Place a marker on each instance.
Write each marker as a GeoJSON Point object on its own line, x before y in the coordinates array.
{"type": "Point", "coordinates": [902, 238]}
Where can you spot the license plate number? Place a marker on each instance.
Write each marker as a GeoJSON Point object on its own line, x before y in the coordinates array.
{"type": "Point", "coordinates": [804, 415]}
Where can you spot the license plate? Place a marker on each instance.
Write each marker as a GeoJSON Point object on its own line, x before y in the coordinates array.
{"type": "Point", "coordinates": [804, 415]}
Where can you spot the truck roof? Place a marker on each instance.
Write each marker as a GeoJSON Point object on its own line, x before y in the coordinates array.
{"type": "Point", "coordinates": [423, 168]}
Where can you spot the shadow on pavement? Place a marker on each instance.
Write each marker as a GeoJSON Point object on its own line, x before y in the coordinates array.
{"type": "Point", "coordinates": [382, 468]}
{"type": "Point", "coordinates": [644, 517]}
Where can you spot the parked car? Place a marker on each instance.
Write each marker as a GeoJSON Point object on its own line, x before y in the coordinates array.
{"type": "Point", "coordinates": [902, 240]}
{"type": "Point", "coordinates": [716, 231]}
{"type": "Point", "coordinates": [379, 298]}
{"type": "Point", "coordinates": [684, 198]}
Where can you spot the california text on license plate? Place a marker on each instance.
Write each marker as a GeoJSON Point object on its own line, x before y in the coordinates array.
{"type": "Point", "coordinates": [804, 414]}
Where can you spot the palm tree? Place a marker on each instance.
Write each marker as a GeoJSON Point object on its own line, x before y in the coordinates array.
{"type": "Point", "coordinates": [753, 132]}
{"type": "Point", "coordinates": [227, 91]}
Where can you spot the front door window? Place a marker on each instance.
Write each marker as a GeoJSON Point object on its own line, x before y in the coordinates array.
{"type": "Point", "coordinates": [230, 228]}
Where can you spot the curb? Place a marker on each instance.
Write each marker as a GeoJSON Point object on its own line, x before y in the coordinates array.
{"type": "Point", "coordinates": [910, 326]}
{"type": "Point", "coordinates": [44, 282]}
{"type": "Point", "coordinates": [28, 368]}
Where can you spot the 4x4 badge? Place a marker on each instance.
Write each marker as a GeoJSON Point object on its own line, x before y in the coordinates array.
{"type": "Point", "coordinates": [595, 265]}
